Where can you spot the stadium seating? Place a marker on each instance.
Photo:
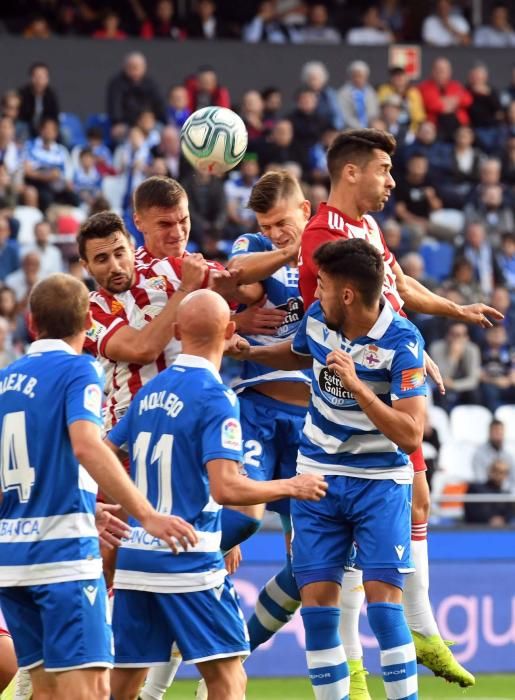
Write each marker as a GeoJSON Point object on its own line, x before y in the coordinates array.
{"type": "Point", "coordinates": [440, 422]}
{"type": "Point", "coordinates": [506, 414]}
{"type": "Point", "coordinates": [451, 479]}
{"type": "Point", "coordinates": [27, 217]}
{"type": "Point", "coordinates": [438, 258]}
{"type": "Point", "coordinates": [72, 131]}
{"type": "Point", "coordinates": [470, 424]}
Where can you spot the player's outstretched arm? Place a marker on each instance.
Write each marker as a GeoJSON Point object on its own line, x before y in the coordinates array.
{"type": "Point", "coordinates": [109, 474]}
{"type": "Point", "coordinates": [229, 488]}
{"type": "Point", "coordinates": [418, 298]}
{"type": "Point", "coordinates": [256, 267]}
{"type": "Point", "coordinates": [278, 356]}
{"type": "Point", "coordinates": [403, 423]}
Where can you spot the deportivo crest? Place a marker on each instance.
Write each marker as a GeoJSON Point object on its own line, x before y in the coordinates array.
{"type": "Point", "coordinates": [371, 358]}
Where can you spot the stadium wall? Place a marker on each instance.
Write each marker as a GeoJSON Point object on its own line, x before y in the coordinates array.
{"type": "Point", "coordinates": [472, 590]}
{"type": "Point", "coordinates": [81, 68]}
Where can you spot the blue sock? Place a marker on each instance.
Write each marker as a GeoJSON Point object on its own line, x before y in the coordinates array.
{"type": "Point", "coordinates": [398, 657]}
{"type": "Point", "coordinates": [327, 664]}
{"type": "Point", "coordinates": [276, 603]}
{"type": "Point", "coordinates": [236, 528]}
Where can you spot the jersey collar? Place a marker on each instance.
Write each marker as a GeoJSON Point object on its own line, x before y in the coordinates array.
{"type": "Point", "coordinates": [382, 324]}
{"type": "Point", "coordinates": [324, 207]}
{"type": "Point", "coordinates": [50, 345]}
{"type": "Point", "coordinates": [199, 362]}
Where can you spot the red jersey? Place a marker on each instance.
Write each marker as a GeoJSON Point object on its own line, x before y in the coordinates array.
{"type": "Point", "coordinates": [330, 224]}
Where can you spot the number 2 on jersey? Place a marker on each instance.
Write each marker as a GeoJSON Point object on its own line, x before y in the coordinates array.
{"type": "Point", "coordinates": [15, 470]}
{"type": "Point", "coordinates": [162, 454]}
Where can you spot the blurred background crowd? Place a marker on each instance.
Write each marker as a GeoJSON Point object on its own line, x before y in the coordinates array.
{"type": "Point", "coordinates": [451, 221]}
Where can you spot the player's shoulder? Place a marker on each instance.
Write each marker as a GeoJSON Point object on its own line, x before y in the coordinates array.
{"type": "Point", "coordinates": [404, 333]}
{"type": "Point", "coordinates": [318, 222]}
{"type": "Point", "coordinates": [87, 364]}
{"type": "Point", "coordinates": [251, 243]}
{"type": "Point", "coordinates": [372, 223]}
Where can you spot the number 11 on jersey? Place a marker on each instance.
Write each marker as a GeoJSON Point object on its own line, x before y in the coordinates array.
{"type": "Point", "coordinates": [162, 454]}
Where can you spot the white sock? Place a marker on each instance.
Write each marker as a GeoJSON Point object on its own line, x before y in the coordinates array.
{"type": "Point", "coordinates": [352, 598]}
{"type": "Point", "coordinates": [159, 679]}
{"type": "Point", "coordinates": [23, 686]}
{"type": "Point", "coordinates": [417, 606]}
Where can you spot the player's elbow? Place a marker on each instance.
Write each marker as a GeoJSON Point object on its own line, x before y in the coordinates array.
{"type": "Point", "coordinates": [411, 438]}
{"type": "Point", "coordinates": [146, 354]}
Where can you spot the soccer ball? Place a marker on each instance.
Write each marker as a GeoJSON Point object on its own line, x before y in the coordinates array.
{"type": "Point", "coordinates": [214, 139]}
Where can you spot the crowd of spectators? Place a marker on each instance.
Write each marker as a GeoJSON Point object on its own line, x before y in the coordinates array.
{"type": "Point", "coordinates": [440, 23]}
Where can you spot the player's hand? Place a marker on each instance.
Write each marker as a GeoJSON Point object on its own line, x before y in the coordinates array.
{"type": "Point", "coordinates": [237, 347]}
{"type": "Point", "coordinates": [176, 532]}
{"type": "Point", "coordinates": [233, 559]}
{"type": "Point", "coordinates": [225, 282]}
{"type": "Point", "coordinates": [111, 530]}
{"type": "Point", "coordinates": [478, 314]}
{"type": "Point", "coordinates": [342, 364]}
{"type": "Point", "coordinates": [193, 272]}
{"type": "Point", "coordinates": [432, 369]}
{"type": "Point", "coordinates": [259, 320]}
{"type": "Point", "coordinates": [308, 487]}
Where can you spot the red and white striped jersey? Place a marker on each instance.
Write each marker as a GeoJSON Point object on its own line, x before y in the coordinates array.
{"type": "Point", "coordinates": [330, 224]}
{"type": "Point", "coordinates": [143, 259]}
{"type": "Point", "coordinates": [136, 307]}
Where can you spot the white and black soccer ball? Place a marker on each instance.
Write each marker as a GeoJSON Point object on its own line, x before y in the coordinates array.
{"type": "Point", "coordinates": [214, 139]}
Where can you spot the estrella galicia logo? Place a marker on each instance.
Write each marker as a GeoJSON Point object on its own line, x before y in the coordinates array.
{"type": "Point", "coordinates": [333, 391]}
{"type": "Point", "coordinates": [294, 308]}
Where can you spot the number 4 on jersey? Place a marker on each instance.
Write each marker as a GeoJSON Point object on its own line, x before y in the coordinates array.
{"type": "Point", "coordinates": [15, 470]}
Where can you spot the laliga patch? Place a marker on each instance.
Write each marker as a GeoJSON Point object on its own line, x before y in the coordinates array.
{"type": "Point", "coordinates": [93, 399]}
{"type": "Point", "coordinates": [95, 331]}
{"type": "Point", "coordinates": [412, 378]}
{"type": "Point", "coordinates": [231, 434]}
{"type": "Point", "coordinates": [241, 245]}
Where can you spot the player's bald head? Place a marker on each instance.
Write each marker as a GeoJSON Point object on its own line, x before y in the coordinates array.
{"type": "Point", "coordinates": [202, 317]}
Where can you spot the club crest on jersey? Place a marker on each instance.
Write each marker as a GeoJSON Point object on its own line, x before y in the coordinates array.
{"type": "Point", "coordinates": [371, 357]}
{"type": "Point", "coordinates": [333, 391]}
{"type": "Point", "coordinates": [294, 308]}
{"type": "Point", "coordinates": [116, 306]}
{"type": "Point", "coordinates": [241, 245]}
{"type": "Point", "coordinates": [157, 283]}
{"type": "Point", "coordinates": [231, 434]}
{"type": "Point", "coordinates": [93, 399]}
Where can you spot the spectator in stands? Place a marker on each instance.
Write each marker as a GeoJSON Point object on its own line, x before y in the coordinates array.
{"type": "Point", "coordinates": [394, 238]}
{"type": "Point", "coordinates": [37, 28]}
{"type": "Point", "coordinates": [506, 259]}
{"type": "Point", "coordinates": [373, 30]}
{"type": "Point", "coordinates": [494, 449]}
{"type": "Point", "coordinates": [102, 155]}
{"type": "Point", "coordinates": [204, 24]}
{"type": "Point", "coordinates": [7, 354]}
{"type": "Point", "coordinates": [446, 101]}
{"type": "Point", "coordinates": [47, 167]}
{"type": "Point", "coordinates": [9, 151]}
{"type": "Point", "coordinates": [273, 102]}
{"type": "Point", "coordinates": [177, 109]}
{"type": "Point", "coordinates": [464, 169]}
{"type": "Point", "coordinates": [391, 114]}
{"type": "Point", "coordinates": [501, 298]}
{"type": "Point", "coordinates": [87, 180]}
{"type": "Point", "coordinates": [23, 280]}
{"type": "Point", "coordinates": [251, 111]}
{"type": "Point", "coordinates": [508, 161]}
{"type": "Point", "coordinates": [416, 200]}
{"type": "Point", "coordinates": [130, 92]}
{"type": "Point", "coordinates": [132, 159]}
{"type": "Point", "coordinates": [8, 191]}
{"type": "Point", "coordinates": [498, 33]}
{"type": "Point", "coordinates": [162, 24]}
{"type": "Point", "coordinates": [315, 76]}
{"type": "Point", "coordinates": [208, 211]}
{"type": "Point", "coordinates": [169, 150]}
{"type": "Point", "coordinates": [50, 257]}
{"type": "Point", "coordinates": [318, 172]}
{"type": "Point", "coordinates": [38, 98]}
{"type": "Point", "coordinates": [308, 125]}
{"type": "Point", "coordinates": [412, 264]}
{"type": "Point", "coordinates": [492, 211]}
{"type": "Point", "coordinates": [357, 98]}
{"type": "Point", "coordinates": [459, 361]}
{"type": "Point", "coordinates": [10, 107]}
{"type": "Point", "coordinates": [463, 280]}
{"type": "Point", "coordinates": [267, 26]}
{"type": "Point", "coordinates": [480, 253]}
{"type": "Point", "coordinates": [110, 26]}
{"type": "Point", "coordinates": [412, 106]}
{"type": "Point", "coordinates": [9, 250]}
{"type": "Point", "coordinates": [17, 329]}
{"type": "Point", "coordinates": [438, 154]}
{"type": "Point", "coordinates": [146, 121]}
{"type": "Point", "coordinates": [508, 94]}
{"type": "Point", "coordinates": [317, 29]}
{"type": "Point", "coordinates": [204, 90]}
{"type": "Point", "coordinates": [237, 193]}
{"type": "Point", "coordinates": [446, 27]}
{"type": "Point", "coordinates": [485, 111]}
{"type": "Point", "coordinates": [279, 147]}
{"type": "Point", "coordinates": [495, 514]}
{"type": "Point", "coordinates": [497, 373]}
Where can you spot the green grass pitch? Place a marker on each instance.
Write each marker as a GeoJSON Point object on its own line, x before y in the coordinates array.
{"type": "Point", "coordinates": [488, 687]}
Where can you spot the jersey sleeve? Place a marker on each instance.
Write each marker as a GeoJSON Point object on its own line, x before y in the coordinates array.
{"type": "Point", "coordinates": [388, 256]}
{"type": "Point", "coordinates": [119, 435]}
{"type": "Point", "coordinates": [84, 392]}
{"type": "Point", "coordinates": [104, 325]}
{"type": "Point", "coordinates": [300, 344]}
{"type": "Point", "coordinates": [250, 243]}
{"type": "Point", "coordinates": [408, 377]}
{"type": "Point", "coordinates": [308, 269]}
{"type": "Point", "coordinates": [221, 430]}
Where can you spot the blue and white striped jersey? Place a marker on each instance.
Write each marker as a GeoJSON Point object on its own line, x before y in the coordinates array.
{"type": "Point", "coordinates": [282, 292]}
{"type": "Point", "coordinates": [338, 436]}
{"type": "Point", "coordinates": [47, 514]}
{"type": "Point", "coordinates": [179, 421]}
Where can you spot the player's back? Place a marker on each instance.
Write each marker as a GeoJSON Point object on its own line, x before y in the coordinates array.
{"type": "Point", "coordinates": [48, 505]}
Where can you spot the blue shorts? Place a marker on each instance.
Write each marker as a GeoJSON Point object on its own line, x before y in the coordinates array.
{"type": "Point", "coordinates": [63, 626]}
{"type": "Point", "coordinates": [271, 435]}
{"type": "Point", "coordinates": [375, 514]}
{"type": "Point", "coordinates": [205, 625]}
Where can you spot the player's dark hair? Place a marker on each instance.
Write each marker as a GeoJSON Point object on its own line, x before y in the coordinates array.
{"type": "Point", "coordinates": [59, 306]}
{"type": "Point", "coordinates": [100, 225]}
{"type": "Point", "coordinates": [357, 146]}
{"type": "Point", "coordinates": [356, 261]}
{"type": "Point", "coordinates": [158, 191]}
{"type": "Point", "coordinates": [270, 188]}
